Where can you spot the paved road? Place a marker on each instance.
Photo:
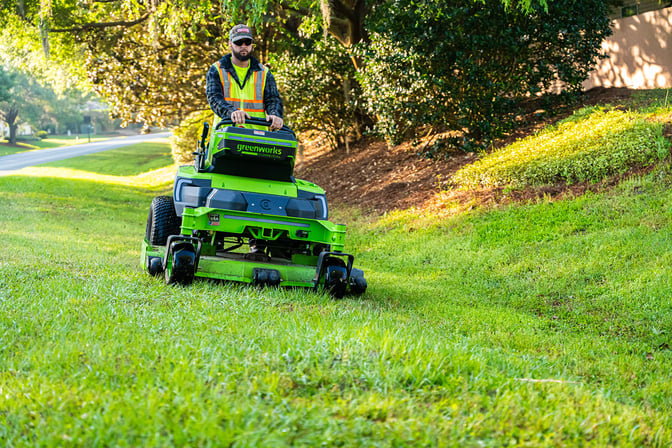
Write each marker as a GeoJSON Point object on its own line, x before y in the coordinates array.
{"type": "Point", "coordinates": [14, 162]}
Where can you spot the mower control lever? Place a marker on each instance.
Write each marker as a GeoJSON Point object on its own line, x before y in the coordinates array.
{"type": "Point", "coordinates": [199, 160]}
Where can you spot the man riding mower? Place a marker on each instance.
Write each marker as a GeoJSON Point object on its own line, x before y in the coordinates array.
{"type": "Point", "coordinates": [239, 194]}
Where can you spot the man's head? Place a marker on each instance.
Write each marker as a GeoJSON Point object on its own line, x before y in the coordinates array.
{"type": "Point", "coordinates": [241, 40]}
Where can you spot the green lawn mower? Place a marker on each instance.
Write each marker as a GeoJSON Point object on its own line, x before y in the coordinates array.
{"type": "Point", "coordinates": [238, 214]}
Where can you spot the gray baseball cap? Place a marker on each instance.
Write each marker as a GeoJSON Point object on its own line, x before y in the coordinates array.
{"type": "Point", "coordinates": [240, 32]}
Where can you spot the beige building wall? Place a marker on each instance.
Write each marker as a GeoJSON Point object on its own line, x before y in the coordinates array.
{"type": "Point", "coordinates": [640, 53]}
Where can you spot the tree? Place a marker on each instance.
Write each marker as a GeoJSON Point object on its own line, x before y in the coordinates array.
{"type": "Point", "coordinates": [23, 98]}
{"type": "Point", "coordinates": [320, 91]}
{"type": "Point", "coordinates": [6, 81]}
{"type": "Point", "coordinates": [45, 95]}
{"type": "Point", "coordinates": [149, 58]}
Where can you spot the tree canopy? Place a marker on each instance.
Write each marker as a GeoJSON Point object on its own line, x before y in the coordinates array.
{"type": "Point", "coordinates": [148, 58]}
{"type": "Point", "coordinates": [47, 94]}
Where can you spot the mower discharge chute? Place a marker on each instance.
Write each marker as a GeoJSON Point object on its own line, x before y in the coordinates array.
{"type": "Point", "coordinates": [238, 214]}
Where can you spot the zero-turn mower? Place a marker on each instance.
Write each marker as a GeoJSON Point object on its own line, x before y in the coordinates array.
{"type": "Point", "coordinates": [238, 214]}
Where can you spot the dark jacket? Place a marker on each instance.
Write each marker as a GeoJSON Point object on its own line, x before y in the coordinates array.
{"type": "Point", "coordinates": [215, 92]}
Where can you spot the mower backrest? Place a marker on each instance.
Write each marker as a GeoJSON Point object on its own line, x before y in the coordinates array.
{"type": "Point", "coordinates": [252, 153]}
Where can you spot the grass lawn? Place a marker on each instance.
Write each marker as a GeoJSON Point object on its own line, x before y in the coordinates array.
{"type": "Point", "coordinates": [51, 142]}
{"type": "Point", "coordinates": [125, 161]}
{"type": "Point", "coordinates": [543, 324]}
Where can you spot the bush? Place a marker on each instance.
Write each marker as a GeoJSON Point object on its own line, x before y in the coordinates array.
{"type": "Point", "coordinates": [319, 89]}
{"type": "Point", "coordinates": [185, 137]}
{"type": "Point", "coordinates": [464, 66]}
{"type": "Point", "coordinates": [41, 134]}
{"type": "Point", "coordinates": [592, 144]}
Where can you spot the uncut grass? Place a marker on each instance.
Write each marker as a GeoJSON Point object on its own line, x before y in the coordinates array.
{"type": "Point", "coordinates": [460, 315]}
{"type": "Point", "coordinates": [593, 143]}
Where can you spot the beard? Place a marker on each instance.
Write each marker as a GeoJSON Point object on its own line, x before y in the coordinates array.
{"type": "Point", "coordinates": [241, 57]}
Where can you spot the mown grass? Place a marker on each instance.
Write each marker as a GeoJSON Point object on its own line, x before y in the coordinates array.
{"type": "Point", "coordinates": [593, 143]}
{"type": "Point", "coordinates": [125, 161]}
{"type": "Point", "coordinates": [545, 324]}
{"type": "Point", "coordinates": [51, 142]}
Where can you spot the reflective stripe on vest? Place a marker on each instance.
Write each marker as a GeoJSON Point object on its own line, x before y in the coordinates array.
{"type": "Point", "coordinates": [251, 97]}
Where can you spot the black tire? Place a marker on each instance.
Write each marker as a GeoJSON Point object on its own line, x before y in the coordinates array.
{"type": "Point", "coordinates": [357, 281]}
{"type": "Point", "coordinates": [154, 266]}
{"type": "Point", "coordinates": [180, 265]}
{"type": "Point", "coordinates": [335, 281]}
{"type": "Point", "coordinates": [162, 221]}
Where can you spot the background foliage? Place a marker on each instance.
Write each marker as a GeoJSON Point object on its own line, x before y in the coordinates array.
{"type": "Point", "coordinates": [465, 66]}
{"type": "Point", "coordinates": [320, 90]}
{"type": "Point", "coordinates": [48, 95]}
{"type": "Point", "coordinates": [398, 64]}
{"type": "Point", "coordinates": [184, 139]}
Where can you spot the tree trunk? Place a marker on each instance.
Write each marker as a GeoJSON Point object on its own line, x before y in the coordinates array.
{"type": "Point", "coordinates": [344, 21]}
{"type": "Point", "coordinates": [10, 118]}
{"type": "Point", "coordinates": [12, 133]}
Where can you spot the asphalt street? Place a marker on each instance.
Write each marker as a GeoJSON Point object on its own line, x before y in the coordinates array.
{"type": "Point", "coordinates": [14, 162]}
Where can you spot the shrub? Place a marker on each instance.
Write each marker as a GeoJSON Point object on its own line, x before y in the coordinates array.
{"type": "Point", "coordinates": [319, 89]}
{"type": "Point", "coordinates": [464, 66]}
{"type": "Point", "coordinates": [584, 147]}
{"type": "Point", "coordinates": [184, 140]}
{"type": "Point", "coordinates": [41, 134]}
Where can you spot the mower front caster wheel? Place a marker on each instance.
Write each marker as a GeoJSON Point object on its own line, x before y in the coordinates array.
{"type": "Point", "coordinates": [154, 266]}
{"type": "Point", "coordinates": [357, 281]}
{"type": "Point", "coordinates": [336, 281]}
{"type": "Point", "coordinates": [180, 264]}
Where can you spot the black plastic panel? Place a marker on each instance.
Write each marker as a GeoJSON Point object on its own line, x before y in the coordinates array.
{"type": "Point", "coordinates": [190, 193]}
{"type": "Point", "coordinates": [301, 208]}
{"type": "Point", "coordinates": [227, 200]}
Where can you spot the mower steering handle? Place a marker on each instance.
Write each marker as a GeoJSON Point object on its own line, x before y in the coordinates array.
{"type": "Point", "coordinates": [255, 121]}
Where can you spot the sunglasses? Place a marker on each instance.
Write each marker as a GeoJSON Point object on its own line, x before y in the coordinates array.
{"type": "Point", "coordinates": [241, 42]}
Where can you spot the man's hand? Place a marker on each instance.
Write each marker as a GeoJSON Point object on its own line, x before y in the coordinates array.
{"type": "Point", "coordinates": [276, 122]}
{"type": "Point", "coordinates": [238, 117]}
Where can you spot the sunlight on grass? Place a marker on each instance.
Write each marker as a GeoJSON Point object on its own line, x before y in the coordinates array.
{"type": "Point", "coordinates": [57, 141]}
{"type": "Point", "coordinates": [147, 164]}
{"type": "Point", "coordinates": [588, 146]}
{"type": "Point", "coordinates": [545, 324]}
{"type": "Point", "coordinates": [52, 142]}
{"type": "Point", "coordinates": [125, 161]}
{"type": "Point", "coordinates": [6, 150]}
{"type": "Point", "coordinates": [155, 178]}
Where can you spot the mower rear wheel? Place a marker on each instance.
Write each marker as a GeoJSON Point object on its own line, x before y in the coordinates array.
{"type": "Point", "coordinates": [162, 221]}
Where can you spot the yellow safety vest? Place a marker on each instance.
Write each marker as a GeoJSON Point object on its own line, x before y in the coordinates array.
{"type": "Point", "coordinates": [250, 98]}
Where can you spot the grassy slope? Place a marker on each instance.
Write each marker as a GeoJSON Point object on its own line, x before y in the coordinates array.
{"type": "Point", "coordinates": [535, 325]}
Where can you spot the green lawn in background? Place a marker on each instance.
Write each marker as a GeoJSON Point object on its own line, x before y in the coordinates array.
{"type": "Point", "coordinates": [51, 142]}
{"type": "Point", "coordinates": [125, 161]}
{"type": "Point", "coordinates": [541, 324]}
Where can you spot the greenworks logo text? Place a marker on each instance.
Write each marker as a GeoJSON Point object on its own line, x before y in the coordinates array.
{"type": "Point", "coordinates": [273, 151]}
